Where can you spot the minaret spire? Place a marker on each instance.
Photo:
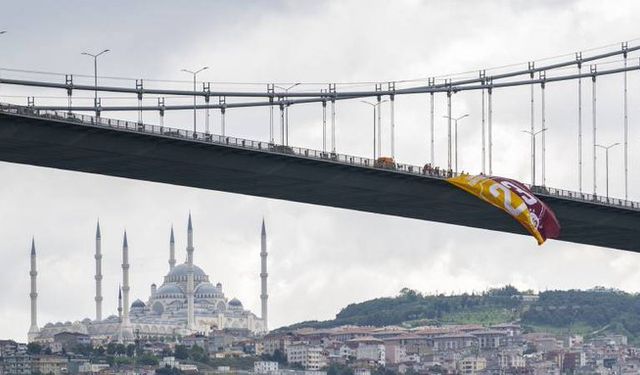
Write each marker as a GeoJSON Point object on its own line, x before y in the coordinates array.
{"type": "Point", "coordinates": [125, 325]}
{"type": "Point", "coordinates": [263, 276]}
{"type": "Point", "coordinates": [98, 276]}
{"type": "Point", "coordinates": [125, 279]}
{"type": "Point", "coordinates": [33, 329]}
{"type": "Point", "coordinates": [189, 241]}
{"type": "Point", "coordinates": [190, 281]}
{"type": "Point", "coordinates": [172, 250]}
{"type": "Point", "coordinates": [120, 303]}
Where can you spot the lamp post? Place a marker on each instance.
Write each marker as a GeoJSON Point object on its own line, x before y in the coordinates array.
{"type": "Point", "coordinates": [533, 153]}
{"type": "Point", "coordinates": [194, 73]}
{"type": "Point", "coordinates": [455, 120]}
{"type": "Point", "coordinates": [95, 76]}
{"type": "Point", "coordinates": [285, 141]}
{"type": "Point", "coordinates": [606, 155]}
{"type": "Point", "coordinates": [374, 105]}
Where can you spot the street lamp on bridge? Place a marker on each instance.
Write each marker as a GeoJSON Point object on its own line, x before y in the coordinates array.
{"type": "Point", "coordinates": [95, 76]}
{"type": "Point", "coordinates": [194, 73]}
{"type": "Point", "coordinates": [533, 153]}
{"type": "Point", "coordinates": [285, 141]}
{"type": "Point", "coordinates": [606, 153]}
{"type": "Point", "coordinates": [455, 120]}
{"type": "Point", "coordinates": [374, 105]}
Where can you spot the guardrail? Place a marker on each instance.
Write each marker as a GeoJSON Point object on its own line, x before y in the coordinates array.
{"type": "Point", "coordinates": [425, 171]}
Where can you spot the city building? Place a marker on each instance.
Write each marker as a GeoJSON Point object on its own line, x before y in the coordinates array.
{"type": "Point", "coordinates": [50, 365]}
{"type": "Point", "coordinates": [309, 357]}
{"type": "Point", "coordinates": [471, 365]}
{"type": "Point", "coordinates": [265, 367]}
{"type": "Point", "coordinates": [368, 349]}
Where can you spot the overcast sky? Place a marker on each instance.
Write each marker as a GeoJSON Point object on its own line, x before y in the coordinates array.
{"type": "Point", "coordinates": [320, 259]}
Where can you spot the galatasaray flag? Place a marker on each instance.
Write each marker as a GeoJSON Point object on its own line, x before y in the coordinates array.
{"type": "Point", "coordinates": [515, 199]}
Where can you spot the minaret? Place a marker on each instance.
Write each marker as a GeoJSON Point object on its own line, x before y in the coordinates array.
{"type": "Point", "coordinates": [190, 287]}
{"type": "Point", "coordinates": [263, 275]}
{"type": "Point", "coordinates": [98, 276]}
{"type": "Point", "coordinates": [125, 281]}
{"type": "Point", "coordinates": [172, 251]}
{"type": "Point", "coordinates": [126, 333]}
{"type": "Point", "coordinates": [119, 303]}
{"type": "Point", "coordinates": [189, 241]}
{"type": "Point", "coordinates": [33, 329]}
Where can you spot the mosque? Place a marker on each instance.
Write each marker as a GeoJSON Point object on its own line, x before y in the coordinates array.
{"type": "Point", "coordinates": [186, 302]}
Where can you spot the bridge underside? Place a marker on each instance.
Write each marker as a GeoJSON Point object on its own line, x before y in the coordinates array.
{"type": "Point", "coordinates": [217, 167]}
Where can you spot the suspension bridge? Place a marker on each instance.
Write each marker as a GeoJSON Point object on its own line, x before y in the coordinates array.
{"type": "Point", "coordinates": [61, 136]}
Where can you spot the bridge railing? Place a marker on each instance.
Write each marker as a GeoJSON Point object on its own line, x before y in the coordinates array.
{"type": "Point", "coordinates": [427, 170]}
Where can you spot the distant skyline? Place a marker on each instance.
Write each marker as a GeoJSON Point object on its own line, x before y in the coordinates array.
{"type": "Point", "coordinates": [320, 259]}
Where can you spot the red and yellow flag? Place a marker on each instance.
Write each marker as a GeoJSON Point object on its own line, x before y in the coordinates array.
{"type": "Point", "coordinates": [515, 199]}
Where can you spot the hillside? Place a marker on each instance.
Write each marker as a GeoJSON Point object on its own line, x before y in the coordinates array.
{"type": "Point", "coordinates": [572, 311]}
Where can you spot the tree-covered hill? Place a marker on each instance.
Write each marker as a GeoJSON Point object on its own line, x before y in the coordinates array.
{"type": "Point", "coordinates": [579, 311]}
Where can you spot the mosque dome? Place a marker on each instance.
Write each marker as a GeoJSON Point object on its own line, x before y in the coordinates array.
{"type": "Point", "coordinates": [181, 271]}
{"type": "Point", "coordinates": [170, 290]}
{"type": "Point", "coordinates": [206, 290]}
{"type": "Point", "coordinates": [137, 304]}
{"type": "Point", "coordinates": [235, 303]}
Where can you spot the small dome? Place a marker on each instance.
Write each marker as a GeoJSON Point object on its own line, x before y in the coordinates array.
{"type": "Point", "coordinates": [170, 290]}
{"type": "Point", "coordinates": [137, 304]}
{"type": "Point", "coordinates": [235, 303]}
{"type": "Point", "coordinates": [86, 320]}
{"type": "Point", "coordinates": [205, 289]}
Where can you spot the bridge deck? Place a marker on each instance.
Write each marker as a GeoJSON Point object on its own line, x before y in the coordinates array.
{"type": "Point", "coordinates": [151, 153]}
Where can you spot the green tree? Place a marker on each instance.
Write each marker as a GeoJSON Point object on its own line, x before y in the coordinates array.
{"type": "Point", "coordinates": [83, 349]}
{"type": "Point", "coordinates": [112, 348]}
{"type": "Point", "coordinates": [99, 351]}
{"type": "Point", "coordinates": [166, 352]}
{"type": "Point", "coordinates": [34, 348]}
{"type": "Point", "coordinates": [339, 369]}
{"type": "Point", "coordinates": [122, 360]}
{"type": "Point", "coordinates": [181, 352]}
{"type": "Point", "coordinates": [279, 356]}
{"type": "Point", "coordinates": [198, 354]}
{"type": "Point", "coordinates": [121, 349]}
{"type": "Point", "coordinates": [131, 350]}
{"type": "Point", "coordinates": [168, 371]}
{"type": "Point", "coordinates": [148, 360]}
